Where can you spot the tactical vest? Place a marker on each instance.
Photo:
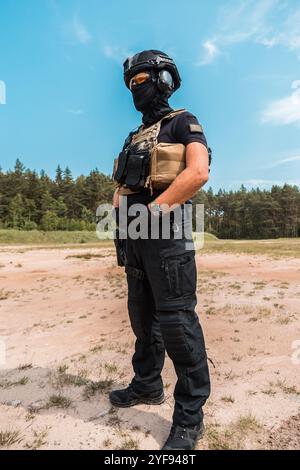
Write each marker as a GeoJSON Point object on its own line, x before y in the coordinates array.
{"type": "Point", "coordinates": [145, 163]}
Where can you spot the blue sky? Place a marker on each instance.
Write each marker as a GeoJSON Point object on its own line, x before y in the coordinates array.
{"type": "Point", "coordinates": [61, 63]}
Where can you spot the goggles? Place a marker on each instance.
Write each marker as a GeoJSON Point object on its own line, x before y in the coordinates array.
{"type": "Point", "coordinates": [138, 79]}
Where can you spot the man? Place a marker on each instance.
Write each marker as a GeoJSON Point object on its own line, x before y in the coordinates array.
{"type": "Point", "coordinates": [161, 273]}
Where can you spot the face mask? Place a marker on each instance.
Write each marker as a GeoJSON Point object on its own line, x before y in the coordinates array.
{"type": "Point", "coordinates": [143, 95]}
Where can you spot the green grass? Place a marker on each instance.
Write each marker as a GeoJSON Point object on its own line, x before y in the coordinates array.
{"type": "Point", "coordinates": [281, 247]}
{"type": "Point", "coordinates": [36, 237]}
{"type": "Point", "coordinates": [278, 248]}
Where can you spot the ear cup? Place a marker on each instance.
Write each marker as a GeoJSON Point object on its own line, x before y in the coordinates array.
{"type": "Point", "coordinates": [165, 82]}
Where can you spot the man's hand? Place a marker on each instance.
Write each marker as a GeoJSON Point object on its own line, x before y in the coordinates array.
{"type": "Point", "coordinates": [191, 179]}
{"type": "Point", "coordinates": [116, 198]}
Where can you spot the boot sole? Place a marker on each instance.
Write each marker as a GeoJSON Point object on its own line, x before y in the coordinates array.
{"type": "Point", "coordinates": [145, 401]}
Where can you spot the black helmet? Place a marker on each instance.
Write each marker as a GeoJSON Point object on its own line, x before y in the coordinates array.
{"type": "Point", "coordinates": [149, 60]}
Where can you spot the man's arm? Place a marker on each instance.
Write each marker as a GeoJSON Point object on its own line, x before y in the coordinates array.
{"type": "Point", "coordinates": [191, 179]}
{"type": "Point", "coordinates": [116, 198]}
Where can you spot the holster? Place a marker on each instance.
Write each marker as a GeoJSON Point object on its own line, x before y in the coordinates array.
{"type": "Point", "coordinates": [119, 242]}
{"type": "Point", "coordinates": [120, 251]}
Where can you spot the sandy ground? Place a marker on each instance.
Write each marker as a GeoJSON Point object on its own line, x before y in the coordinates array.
{"type": "Point", "coordinates": [68, 342]}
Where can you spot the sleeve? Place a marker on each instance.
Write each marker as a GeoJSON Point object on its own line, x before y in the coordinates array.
{"type": "Point", "coordinates": [188, 129]}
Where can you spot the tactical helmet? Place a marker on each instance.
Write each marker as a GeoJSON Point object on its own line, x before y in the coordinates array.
{"type": "Point", "coordinates": [152, 60]}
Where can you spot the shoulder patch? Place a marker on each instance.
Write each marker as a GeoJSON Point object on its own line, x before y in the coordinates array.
{"type": "Point", "coordinates": [196, 128]}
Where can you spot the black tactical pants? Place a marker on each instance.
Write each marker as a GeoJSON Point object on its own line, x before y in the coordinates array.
{"type": "Point", "coordinates": [161, 276]}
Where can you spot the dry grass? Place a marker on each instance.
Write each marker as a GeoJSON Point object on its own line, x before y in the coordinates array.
{"type": "Point", "coordinates": [129, 444]}
{"type": "Point", "coordinates": [8, 384]}
{"type": "Point", "coordinates": [39, 439]}
{"type": "Point", "coordinates": [8, 438]}
{"type": "Point", "coordinates": [58, 401]}
{"type": "Point", "coordinates": [233, 436]}
{"type": "Point", "coordinates": [92, 388]}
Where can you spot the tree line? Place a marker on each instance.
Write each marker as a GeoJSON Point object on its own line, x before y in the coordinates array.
{"type": "Point", "coordinates": [31, 200]}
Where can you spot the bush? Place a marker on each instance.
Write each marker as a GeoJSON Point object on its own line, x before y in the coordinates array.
{"type": "Point", "coordinates": [30, 225]}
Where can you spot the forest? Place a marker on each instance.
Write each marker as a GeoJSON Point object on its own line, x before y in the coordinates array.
{"type": "Point", "coordinates": [35, 201]}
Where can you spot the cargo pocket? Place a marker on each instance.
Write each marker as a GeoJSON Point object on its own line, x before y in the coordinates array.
{"type": "Point", "coordinates": [180, 272]}
{"type": "Point", "coordinates": [176, 343]}
{"type": "Point", "coordinates": [188, 274]}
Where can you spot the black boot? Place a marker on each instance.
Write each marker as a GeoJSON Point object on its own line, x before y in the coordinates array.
{"type": "Point", "coordinates": [128, 397]}
{"type": "Point", "coordinates": [183, 437]}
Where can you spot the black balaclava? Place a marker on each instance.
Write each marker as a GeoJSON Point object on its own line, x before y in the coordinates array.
{"type": "Point", "coordinates": [149, 100]}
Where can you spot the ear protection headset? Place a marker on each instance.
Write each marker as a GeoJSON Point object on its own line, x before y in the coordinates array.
{"type": "Point", "coordinates": [165, 82]}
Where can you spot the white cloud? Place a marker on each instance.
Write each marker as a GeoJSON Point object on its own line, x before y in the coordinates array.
{"type": "Point", "coordinates": [209, 53]}
{"type": "Point", "coordinates": [2, 92]}
{"type": "Point", "coordinates": [285, 110]}
{"type": "Point", "coordinates": [295, 84]}
{"type": "Point", "coordinates": [80, 31]}
{"type": "Point", "coordinates": [285, 160]}
{"type": "Point", "coordinates": [77, 32]}
{"type": "Point", "coordinates": [117, 53]}
{"type": "Point", "coordinates": [76, 112]}
{"type": "Point", "coordinates": [267, 22]}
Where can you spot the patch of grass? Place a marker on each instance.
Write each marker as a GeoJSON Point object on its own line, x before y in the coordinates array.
{"type": "Point", "coordinates": [230, 375]}
{"type": "Point", "coordinates": [62, 368]}
{"type": "Point", "coordinates": [76, 380]}
{"type": "Point", "coordinates": [8, 384]}
{"type": "Point", "coordinates": [107, 443]}
{"type": "Point", "coordinates": [216, 440]}
{"type": "Point", "coordinates": [232, 436]}
{"type": "Point", "coordinates": [227, 399]}
{"type": "Point", "coordinates": [29, 416]}
{"type": "Point", "coordinates": [96, 348]}
{"type": "Point", "coordinates": [4, 294]}
{"type": "Point", "coordinates": [61, 378]}
{"type": "Point", "coordinates": [287, 389]}
{"type": "Point", "coordinates": [129, 444]}
{"type": "Point", "coordinates": [114, 419]}
{"type": "Point", "coordinates": [235, 339]}
{"type": "Point", "coordinates": [87, 256]}
{"type": "Point", "coordinates": [25, 366]}
{"type": "Point", "coordinates": [247, 423]}
{"type": "Point", "coordinates": [236, 357]}
{"type": "Point", "coordinates": [251, 351]}
{"type": "Point", "coordinates": [93, 387]}
{"type": "Point", "coordinates": [59, 401]}
{"type": "Point", "coordinates": [39, 439]}
{"type": "Point", "coordinates": [54, 238]}
{"type": "Point", "coordinates": [8, 438]}
{"type": "Point", "coordinates": [236, 285]}
{"type": "Point", "coordinates": [111, 368]}
{"type": "Point", "coordinates": [274, 248]}
{"type": "Point", "coordinates": [269, 391]}
{"type": "Point", "coordinates": [284, 320]}
{"type": "Point", "coordinates": [211, 311]}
